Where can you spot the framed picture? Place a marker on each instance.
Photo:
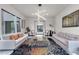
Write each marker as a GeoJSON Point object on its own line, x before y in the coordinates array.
{"type": "Point", "coordinates": [39, 28]}
{"type": "Point", "coordinates": [71, 20]}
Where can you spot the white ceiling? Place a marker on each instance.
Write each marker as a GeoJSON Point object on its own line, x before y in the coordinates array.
{"type": "Point", "coordinates": [51, 9]}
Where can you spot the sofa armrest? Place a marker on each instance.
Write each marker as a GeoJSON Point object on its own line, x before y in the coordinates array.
{"type": "Point", "coordinates": [7, 44]}
{"type": "Point", "coordinates": [20, 40]}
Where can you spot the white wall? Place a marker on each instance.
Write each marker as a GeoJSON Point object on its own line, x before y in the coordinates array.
{"type": "Point", "coordinates": [50, 21]}
{"type": "Point", "coordinates": [10, 9]}
{"type": "Point", "coordinates": [58, 20]}
{"type": "Point", "coordinates": [30, 23]}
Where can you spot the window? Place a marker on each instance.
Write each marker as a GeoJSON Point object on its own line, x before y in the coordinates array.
{"type": "Point", "coordinates": [10, 23]}
{"type": "Point", "coordinates": [9, 27]}
{"type": "Point", "coordinates": [39, 27]}
{"type": "Point", "coordinates": [18, 26]}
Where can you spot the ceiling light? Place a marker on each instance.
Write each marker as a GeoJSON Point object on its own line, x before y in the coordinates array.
{"type": "Point", "coordinates": [40, 13]}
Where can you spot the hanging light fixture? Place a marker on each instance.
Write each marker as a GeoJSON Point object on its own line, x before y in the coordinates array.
{"type": "Point", "coordinates": [40, 13]}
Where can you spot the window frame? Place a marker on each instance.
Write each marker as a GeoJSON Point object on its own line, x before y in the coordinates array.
{"type": "Point", "coordinates": [15, 22]}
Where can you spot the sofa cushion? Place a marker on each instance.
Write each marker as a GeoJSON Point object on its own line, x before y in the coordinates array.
{"type": "Point", "coordinates": [12, 37]}
{"type": "Point", "coordinates": [20, 35]}
{"type": "Point", "coordinates": [61, 34]}
{"type": "Point", "coordinates": [62, 40]}
{"type": "Point", "coordinates": [15, 37]}
{"type": "Point", "coordinates": [68, 36]}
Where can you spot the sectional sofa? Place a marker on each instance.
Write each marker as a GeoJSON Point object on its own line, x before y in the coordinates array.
{"type": "Point", "coordinates": [12, 41]}
{"type": "Point", "coordinates": [64, 40]}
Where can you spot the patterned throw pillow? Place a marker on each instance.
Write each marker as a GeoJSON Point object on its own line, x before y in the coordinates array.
{"type": "Point", "coordinates": [20, 35]}
{"type": "Point", "coordinates": [12, 37]}
{"type": "Point", "coordinates": [16, 37]}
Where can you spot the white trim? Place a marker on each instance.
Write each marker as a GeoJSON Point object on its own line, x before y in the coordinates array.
{"type": "Point", "coordinates": [20, 25]}
{"type": "Point", "coordinates": [12, 34]}
{"type": "Point", "coordinates": [1, 37]}
{"type": "Point", "coordinates": [15, 24]}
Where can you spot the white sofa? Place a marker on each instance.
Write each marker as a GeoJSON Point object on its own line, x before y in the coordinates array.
{"type": "Point", "coordinates": [20, 41]}
{"type": "Point", "coordinates": [63, 39]}
{"type": "Point", "coordinates": [11, 44]}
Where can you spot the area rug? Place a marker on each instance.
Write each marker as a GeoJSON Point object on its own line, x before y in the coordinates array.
{"type": "Point", "coordinates": [22, 50]}
{"type": "Point", "coordinates": [25, 49]}
{"type": "Point", "coordinates": [53, 48]}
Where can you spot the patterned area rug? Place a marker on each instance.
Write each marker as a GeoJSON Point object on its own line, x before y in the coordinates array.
{"type": "Point", "coordinates": [24, 49]}
{"type": "Point", "coordinates": [53, 48]}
